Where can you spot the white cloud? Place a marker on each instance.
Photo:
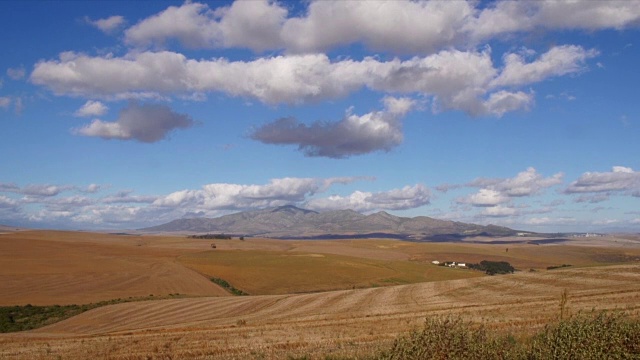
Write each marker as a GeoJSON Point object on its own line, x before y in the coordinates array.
{"type": "Point", "coordinates": [44, 190]}
{"type": "Point", "coordinates": [508, 17]}
{"type": "Point", "coordinates": [252, 24]}
{"type": "Point", "coordinates": [499, 211]}
{"type": "Point", "coordinates": [221, 196]}
{"type": "Point", "coordinates": [92, 188]}
{"type": "Point", "coordinates": [5, 102]}
{"type": "Point", "coordinates": [145, 123]}
{"type": "Point", "coordinates": [6, 202]}
{"type": "Point", "coordinates": [527, 183]}
{"type": "Point", "coordinates": [550, 221]}
{"type": "Point", "coordinates": [9, 187]}
{"type": "Point", "coordinates": [125, 197]}
{"type": "Point", "coordinates": [498, 191]}
{"type": "Point", "coordinates": [353, 135]}
{"type": "Point", "coordinates": [558, 61]}
{"type": "Point", "coordinates": [423, 27]}
{"type": "Point", "coordinates": [107, 25]}
{"type": "Point", "coordinates": [18, 106]}
{"type": "Point", "coordinates": [67, 204]}
{"type": "Point", "coordinates": [485, 197]}
{"type": "Point", "coordinates": [16, 73]}
{"type": "Point", "coordinates": [620, 179]}
{"type": "Point", "coordinates": [503, 101]}
{"type": "Point", "coordinates": [91, 108]}
{"type": "Point", "coordinates": [455, 79]}
{"type": "Point", "coordinates": [407, 197]}
{"type": "Point", "coordinates": [398, 26]}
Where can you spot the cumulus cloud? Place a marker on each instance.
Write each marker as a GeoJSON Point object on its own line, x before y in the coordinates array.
{"type": "Point", "coordinates": [502, 102]}
{"type": "Point", "coordinates": [395, 26]}
{"type": "Point", "coordinates": [222, 196]}
{"type": "Point", "coordinates": [36, 191]}
{"type": "Point", "coordinates": [620, 180]}
{"type": "Point", "coordinates": [9, 187]}
{"type": "Point", "coordinates": [463, 80]}
{"type": "Point", "coordinates": [407, 197]}
{"type": "Point", "coordinates": [499, 211]}
{"type": "Point", "coordinates": [558, 61]}
{"type": "Point", "coordinates": [91, 108]}
{"type": "Point", "coordinates": [145, 123]}
{"type": "Point", "coordinates": [7, 203]}
{"type": "Point", "coordinates": [252, 24]}
{"type": "Point", "coordinates": [107, 25]}
{"type": "Point", "coordinates": [44, 190]}
{"type": "Point", "coordinates": [67, 204]}
{"type": "Point", "coordinates": [5, 102]}
{"type": "Point", "coordinates": [526, 183]}
{"type": "Point", "coordinates": [508, 17]}
{"type": "Point", "coordinates": [486, 197]}
{"type": "Point", "coordinates": [494, 192]}
{"type": "Point", "coordinates": [124, 197]}
{"type": "Point", "coordinates": [550, 221]}
{"type": "Point", "coordinates": [353, 135]}
{"type": "Point", "coordinates": [398, 26]}
{"type": "Point", "coordinates": [16, 73]}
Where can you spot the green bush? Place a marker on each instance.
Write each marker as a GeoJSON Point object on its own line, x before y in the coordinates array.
{"type": "Point", "coordinates": [599, 336]}
{"type": "Point", "coordinates": [28, 317]}
{"type": "Point", "coordinates": [493, 267]}
{"type": "Point", "coordinates": [588, 337]}
{"type": "Point", "coordinates": [223, 283]}
{"type": "Point", "coordinates": [449, 338]}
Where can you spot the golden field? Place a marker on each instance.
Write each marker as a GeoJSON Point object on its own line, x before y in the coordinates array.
{"type": "Point", "coordinates": [312, 298]}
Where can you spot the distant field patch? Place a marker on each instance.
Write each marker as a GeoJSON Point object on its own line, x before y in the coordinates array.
{"type": "Point", "coordinates": [272, 272]}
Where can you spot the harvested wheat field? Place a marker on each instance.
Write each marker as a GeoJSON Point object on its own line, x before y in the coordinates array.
{"type": "Point", "coordinates": [340, 322]}
{"type": "Point", "coordinates": [51, 267]}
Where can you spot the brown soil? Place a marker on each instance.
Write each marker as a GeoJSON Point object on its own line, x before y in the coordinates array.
{"type": "Point", "coordinates": [46, 268]}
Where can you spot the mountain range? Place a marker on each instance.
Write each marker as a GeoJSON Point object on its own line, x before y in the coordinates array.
{"type": "Point", "coordinates": [295, 223]}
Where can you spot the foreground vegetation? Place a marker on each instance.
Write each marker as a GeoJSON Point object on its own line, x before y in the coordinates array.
{"type": "Point", "coordinates": [591, 336]}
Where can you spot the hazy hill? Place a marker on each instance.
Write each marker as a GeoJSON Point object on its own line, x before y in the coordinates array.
{"type": "Point", "coordinates": [292, 222]}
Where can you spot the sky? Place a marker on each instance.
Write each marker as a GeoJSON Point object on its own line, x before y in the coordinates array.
{"type": "Point", "coordinates": [122, 115]}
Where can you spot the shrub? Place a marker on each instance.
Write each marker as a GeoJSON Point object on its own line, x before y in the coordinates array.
{"type": "Point", "coordinates": [449, 338]}
{"type": "Point", "coordinates": [599, 336]}
{"type": "Point", "coordinates": [223, 283]}
{"type": "Point", "coordinates": [588, 337]}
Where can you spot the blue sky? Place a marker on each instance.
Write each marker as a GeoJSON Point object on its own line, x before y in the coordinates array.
{"type": "Point", "coordinates": [523, 114]}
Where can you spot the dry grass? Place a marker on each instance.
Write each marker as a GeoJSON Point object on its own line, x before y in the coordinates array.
{"type": "Point", "coordinates": [347, 322]}
{"type": "Point", "coordinates": [268, 272]}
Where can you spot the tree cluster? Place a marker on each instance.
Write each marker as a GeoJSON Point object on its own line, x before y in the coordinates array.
{"type": "Point", "coordinates": [211, 236]}
{"type": "Point", "coordinates": [493, 267]}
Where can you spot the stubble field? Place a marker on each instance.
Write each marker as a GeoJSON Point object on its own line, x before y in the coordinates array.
{"type": "Point", "coordinates": [278, 320]}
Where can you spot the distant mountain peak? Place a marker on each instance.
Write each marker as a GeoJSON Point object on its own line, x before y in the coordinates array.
{"type": "Point", "coordinates": [290, 221]}
{"type": "Point", "coordinates": [292, 209]}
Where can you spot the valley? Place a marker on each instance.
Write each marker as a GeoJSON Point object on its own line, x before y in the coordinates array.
{"type": "Point", "coordinates": [308, 298]}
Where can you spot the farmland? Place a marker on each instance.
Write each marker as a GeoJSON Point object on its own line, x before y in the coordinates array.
{"type": "Point", "coordinates": [311, 298]}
